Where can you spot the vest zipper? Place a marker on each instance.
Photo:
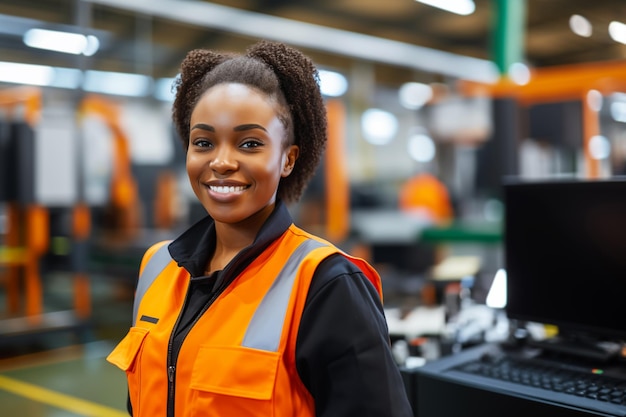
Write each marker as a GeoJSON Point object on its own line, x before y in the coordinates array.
{"type": "Point", "coordinates": [172, 351]}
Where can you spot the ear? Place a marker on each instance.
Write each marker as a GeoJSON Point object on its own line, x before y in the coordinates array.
{"type": "Point", "coordinates": [290, 157]}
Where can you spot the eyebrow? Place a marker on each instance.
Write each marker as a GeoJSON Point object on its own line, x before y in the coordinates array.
{"type": "Point", "coordinates": [249, 126]}
{"type": "Point", "coordinates": [203, 127]}
{"type": "Point", "coordinates": [240, 128]}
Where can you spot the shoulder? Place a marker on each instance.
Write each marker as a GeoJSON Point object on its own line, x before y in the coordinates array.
{"type": "Point", "coordinates": [335, 265]}
{"type": "Point", "coordinates": [151, 251]}
{"type": "Point", "coordinates": [338, 271]}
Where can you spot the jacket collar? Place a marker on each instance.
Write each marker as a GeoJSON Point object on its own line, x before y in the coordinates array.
{"type": "Point", "coordinates": [192, 249]}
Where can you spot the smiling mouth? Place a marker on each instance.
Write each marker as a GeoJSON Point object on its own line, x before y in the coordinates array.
{"type": "Point", "coordinates": [227, 189]}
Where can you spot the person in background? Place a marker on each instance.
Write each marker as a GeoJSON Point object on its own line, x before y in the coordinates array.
{"type": "Point", "coordinates": [246, 314]}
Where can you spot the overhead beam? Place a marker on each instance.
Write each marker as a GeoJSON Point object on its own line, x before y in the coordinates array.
{"type": "Point", "coordinates": [316, 37]}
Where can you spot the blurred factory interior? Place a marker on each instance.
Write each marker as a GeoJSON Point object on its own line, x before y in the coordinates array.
{"type": "Point", "coordinates": [428, 110]}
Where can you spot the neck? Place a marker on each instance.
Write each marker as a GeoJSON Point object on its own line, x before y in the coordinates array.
{"type": "Point", "coordinates": [232, 238]}
{"type": "Point", "coordinates": [230, 241]}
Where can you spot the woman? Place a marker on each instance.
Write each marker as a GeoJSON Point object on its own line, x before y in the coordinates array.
{"type": "Point", "coordinates": [245, 314]}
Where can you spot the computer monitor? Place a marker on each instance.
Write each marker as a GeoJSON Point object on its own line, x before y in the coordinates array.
{"type": "Point", "coordinates": [565, 255]}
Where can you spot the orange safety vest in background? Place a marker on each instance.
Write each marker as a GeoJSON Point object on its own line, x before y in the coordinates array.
{"type": "Point", "coordinates": [239, 357]}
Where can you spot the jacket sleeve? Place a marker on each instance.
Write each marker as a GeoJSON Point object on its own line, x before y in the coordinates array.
{"type": "Point", "coordinates": [343, 354]}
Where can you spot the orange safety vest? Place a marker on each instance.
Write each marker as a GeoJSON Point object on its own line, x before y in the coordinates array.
{"type": "Point", "coordinates": [239, 357]}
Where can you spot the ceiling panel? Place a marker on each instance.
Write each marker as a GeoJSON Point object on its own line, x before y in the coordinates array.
{"type": "Point", "coordinates": [548, 39]}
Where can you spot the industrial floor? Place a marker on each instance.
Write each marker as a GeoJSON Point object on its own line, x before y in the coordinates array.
{"type": "Point", "coordinates": [63, 373]}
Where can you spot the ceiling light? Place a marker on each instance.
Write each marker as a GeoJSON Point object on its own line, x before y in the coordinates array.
{"type": "Point", "coordinates": [421, 148]}
{"type": "Point", "coordinates": [332, 84]}
{"type": "Point", "coordinates": [617, 31]}
{"type": "Point", "coordinates": [66, 78]}
{"type": "Point", "coordinates": [599, 147]}
{"type": "Point", "coordinates": [519, 73]}
{"type": "Point", "coordinates": [414, 95]}
{"type": "Point", "coordinates": [40, 75]}
{"type": "Point", "coordinates": [70, 43]}
{"type": "Point", "coordinates": [379, 126]}
{"type": "Point", "coordinates": [462, 7]}
{"type": "Point", "coordinates": [310, 36]}
{"type": "Point", "coordinates": [123, 84]}
{"type": "Point", "coordinates": [580, 25]}
{"type": "Point", "coordinates": [164, 89]}
{"type": "Point", "coordinates": [618, 111]}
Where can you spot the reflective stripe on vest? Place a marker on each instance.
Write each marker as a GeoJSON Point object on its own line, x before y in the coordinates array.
{"type": "Point", "coordinates": [266, 326]}
{"type": "Point", "coordinates": [153, 268]}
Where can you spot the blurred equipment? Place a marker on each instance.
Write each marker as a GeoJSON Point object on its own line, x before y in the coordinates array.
{"type": "Point", "coordinates": [426, 194]}
{"type": "Point", "coordinates": [564, 256]}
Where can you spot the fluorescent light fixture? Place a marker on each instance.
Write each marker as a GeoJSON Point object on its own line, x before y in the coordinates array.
{"type": "Point", "coordinates": [332, 84]}
{"type": "Point", "coordinates": [28, 74]}
{"type": "Point", "coordinates": [379, 126]}
{"type": "Point", "coordinates": [599, 147]}
{"type": "Point", "coordinates": [93, 44]}
{"type": "Point", "coordinates": [40, 75]}
{"type": "Point", "coordinates": [66, 78]}
{"type": "Point", "coordinates": [580, 25]}
{"type": "Point", "coordinates": [617, 31]}
{"type": "Point", "coordinates": [164, 89]}
{"type": "Point", "coordinates": [117, 83]}
{"type": "Point", "coordinates": [306, 35]}
{"type": "Point", "coordinates": [519, 73]}
{"type": "Point", "coordinates": [462, 7]}
{"type": "Point", "coordinates": [421, 148]}
{"type": "Point", "coordinates": [618, 111]}
{"type": "Point", "coordinates": [66, 42]}
{"type": "Point", "coordinates": [414, 95]}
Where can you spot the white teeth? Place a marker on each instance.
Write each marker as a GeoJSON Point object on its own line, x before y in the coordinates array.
{"type": "Point", "coordinates": [226, 190]}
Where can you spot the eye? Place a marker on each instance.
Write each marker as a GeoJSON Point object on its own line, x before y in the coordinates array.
{"type": "Point", "coordinates": [202, 143]}
{"type": "Point", "coordinates": [251, 144]}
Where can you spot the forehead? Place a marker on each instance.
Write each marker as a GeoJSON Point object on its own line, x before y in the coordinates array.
{"type": "Point", "coordinates": [233, 93]}
{"type": "Point", "coordinates": [234, 99]}
{"type": "Point", "coordinates": [233, 103]}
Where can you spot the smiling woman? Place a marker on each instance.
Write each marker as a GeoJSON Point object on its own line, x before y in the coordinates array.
{"type": "Point", "coordinates": [244, 314]}
{"type": "Point", "coordinates": [237, 154]}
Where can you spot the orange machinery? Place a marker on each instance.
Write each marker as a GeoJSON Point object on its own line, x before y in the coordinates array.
{"type": "Point", "coordinates": [27, 234]}
{"type": "Point", "coordinates": [560, 83]}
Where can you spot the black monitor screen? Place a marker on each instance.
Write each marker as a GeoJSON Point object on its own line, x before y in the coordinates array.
{"type": "Point", "coordinates": [565, 254]}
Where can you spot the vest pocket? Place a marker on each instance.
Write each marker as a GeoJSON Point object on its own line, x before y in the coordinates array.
{"type": "Point", "coordinates": [125, 355]}
{"type": "Point", "coordinates": [237, 380]}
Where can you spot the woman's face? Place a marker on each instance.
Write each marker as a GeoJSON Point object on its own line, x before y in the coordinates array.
{"type": "Point", "coordinates": [237, 155]}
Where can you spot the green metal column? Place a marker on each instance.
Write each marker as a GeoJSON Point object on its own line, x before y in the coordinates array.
{"type": "Point", "coordinates": [508, 31]}
{"type": "Point", "coordinates": [498, 156]}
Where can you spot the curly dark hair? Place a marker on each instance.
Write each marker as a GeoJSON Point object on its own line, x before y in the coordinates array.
{"type": "Point", "coordinates": [286, 76]}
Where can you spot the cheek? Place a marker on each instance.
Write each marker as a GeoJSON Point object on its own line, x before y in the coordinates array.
{"type": "Point", "coordinates": [193, 165]}
{"type": "Point", "coordinates": [193, 160]}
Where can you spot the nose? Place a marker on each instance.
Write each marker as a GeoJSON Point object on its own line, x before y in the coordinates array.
{"type": "Point", "coordinates": [224, 161]}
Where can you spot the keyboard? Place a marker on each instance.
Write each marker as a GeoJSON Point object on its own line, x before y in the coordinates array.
{"type": "Point", "coordinates": [558, 378]}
